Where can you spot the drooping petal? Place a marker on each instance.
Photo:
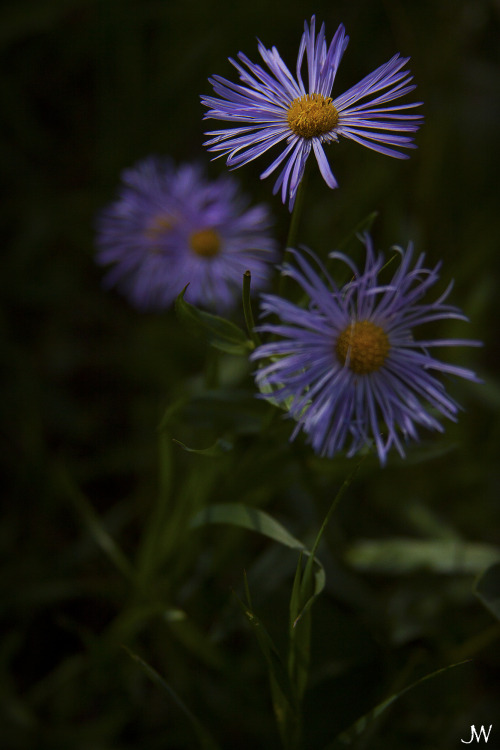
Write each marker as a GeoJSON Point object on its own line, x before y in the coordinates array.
{"type": "Point", "coordinates": [324, 166]}
{"type": "Point", "coordinates": [338, 404]}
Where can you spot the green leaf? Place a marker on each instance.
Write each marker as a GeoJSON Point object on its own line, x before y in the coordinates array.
{"type": "Point", "coordinates": [285, 404]}
{"type": "Point", "coordinates": [204, 737]}
{"type": "Point", "coordinates": [349, 736]}
{"type": "Point", "coordinates": [277, 669]}
{"type": "Point", "coordinates": [401, 555]}
{"type": "Point", "coordinates": [219, 448]}
{"type": "Point", "coordinates": [94, 524]}
{"type": "Point", "coordinates": [193, 638]}
{"type": "Point", "coordinates": [151, 541]}
{"type": "Point", "coordinates": [172, 411]}
{"type": "Point", "coordinates": [245, 517]}
{"type": "Point", "coordinates": [300, 637]}
{"type": "Point", "coordinates": [296, 597]}
{"type": "Point", "coordinates": [488, 589]}
{"type": "Point", "coordinates": [253, 519]}
{"type": "Point", "coordinates": [247, 309]}
{"type": "Point", "coordinates": [218, 332]}
{"type": "Point", "coordinates": [308, 593]}
{"type": "Point", "coordinates": [235, 411]}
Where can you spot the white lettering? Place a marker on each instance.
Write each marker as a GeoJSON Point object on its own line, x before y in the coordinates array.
{"type": "Point", "coordinates": [474, 735]}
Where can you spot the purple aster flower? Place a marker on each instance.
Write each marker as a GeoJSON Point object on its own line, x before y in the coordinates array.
{"type": "Point", "coordinates": [349, 367]}
{"type": "Point", "coordinates": [277, 108]}
{"type": "Point", "coordinates": [171, 226]}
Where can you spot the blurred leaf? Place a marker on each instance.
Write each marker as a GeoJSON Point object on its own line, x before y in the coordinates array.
{"type": "Point", "coordinates": [307, 592]}
{"type": "Point", "coordinates": [490, 392]}
{"type": "Point", "coordinates": [300, 634]}
{"type": "Point", "coordinates": [19, 21]}
{"type": "Point", "coordinates": [219, 448]}
{"type": "Point", "coordinates": [277, 670]}
{"type": "Point", "coordinates": [401, 555]}
{"type": "Point", "coordinates": [247, 309]}
{"type": "Point", "coordinates": [218, 332]}
{"type": "Point", "coordinates": [426, 522]}
{"type": "Point", "coordinates": [95, 525]}
{"type": "Point", "coordinates": [284, 404]}
{"type": "Point", "coordinates": [253, 519]}
{"type": "Point", "coordinates": [362, 724]}
{"type": "Point", "coordinates": [193, 638]}
{"type": "Point", "coordinates": [148, 553]}
{"type": "Point", "coordinates": [171, 411]}
{"type": "Point", "coordinates": [234, 410]}
{"type": "Point", "coordinates": [67, 671]}
{"type": "Point", "coordinates": [488, 589]}
{"type": "Point", "coordinates": [296, 598]}
{"type": "Point", "coordinates": [204, 737]}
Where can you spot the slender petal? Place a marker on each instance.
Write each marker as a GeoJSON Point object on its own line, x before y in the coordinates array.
{"type": "Point", "coordinates": [263, 103]}
{"type": "Point", "coordinates": [171, 226]}
{"type": "Point", "coordinates": [349, 367]}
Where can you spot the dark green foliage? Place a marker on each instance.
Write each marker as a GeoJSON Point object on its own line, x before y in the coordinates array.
{"type": "Point", "coordinates": [122, 430]}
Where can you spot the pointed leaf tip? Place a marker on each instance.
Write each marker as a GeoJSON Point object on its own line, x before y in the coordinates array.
{"type": "Point", "coordinates": [219, 332]}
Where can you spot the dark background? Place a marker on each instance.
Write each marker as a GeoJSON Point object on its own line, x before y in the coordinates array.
{"type": "Point", "coordinates": [88, 87]}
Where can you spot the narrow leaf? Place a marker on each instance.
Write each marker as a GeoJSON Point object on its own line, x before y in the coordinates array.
{"type": "Point", "coordinates": [205, 739]}
{"type": "Point", "coordinates": [219, 332]}
{"type": "Point", "coordinates": [308, 592]}
{"type": "Point", "coordinates": [150, 542]}
{"type": "Point", "coordinates": [295, 598]}
{"type": "Point", "coordinates": [235, 410]}
{"type": "Point", "coordinates": [488, 589]}
{"type": "Point", "coordinates": [350, 735]}
{"type": "Point", "coordinates": [219, 448]}
{"type": "Point", "coordinates": [245, 517]}
{"type": "Point", "coordinates": [300, 637]}
{"type": "Point", "coordinates": [247, 309]}
{"type": "Point", "coordinates": [172, 411]}
{"type": "Point", "coordinates": [193, 638]}
{"type": "Point", "coordinates": [95, 525]}
{"type": "Point", "coordinates": [275, 665]}
{"type": "Point", "coordinates": [253, 519]}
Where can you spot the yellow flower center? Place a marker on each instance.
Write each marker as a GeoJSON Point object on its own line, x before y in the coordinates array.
{"type": "Point", "coordinates": [205, 242]}
{"type": "Point", "coordinates": [366, 345]}
{"type": "Point", "coordinates": [160, 225]}
{"type": "Point", "coordinates": [312, 114]}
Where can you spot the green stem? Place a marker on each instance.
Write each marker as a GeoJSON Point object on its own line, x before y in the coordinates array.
{"type": "Point", "coordinates": [212, 368]}
{"type": "Point", "coordinates": [300, 628]}
{"type": "Point", "coordinates": [347, 481]}
{"type": "Point", "coordinates": [247, 309]}
{"type": "Point", "coordinates": [151, 547]}
{"type": "Point", "coordinates": [291, 239]}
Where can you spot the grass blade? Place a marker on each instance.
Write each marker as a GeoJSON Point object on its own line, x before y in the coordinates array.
{"type": "Point", "coordinates": [350, 735]}
{"type": "Point", "coordinates": [253, 519]}
{"type": "Point", "coordinates": [95, 525]}
{"type": "Point", "coordinates": [204, 737]}
{"type": "Point", "coordinates": [488, 590]}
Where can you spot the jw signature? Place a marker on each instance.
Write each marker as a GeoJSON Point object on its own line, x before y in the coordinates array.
{"type": "Point", "coordinates": [475, 735]}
